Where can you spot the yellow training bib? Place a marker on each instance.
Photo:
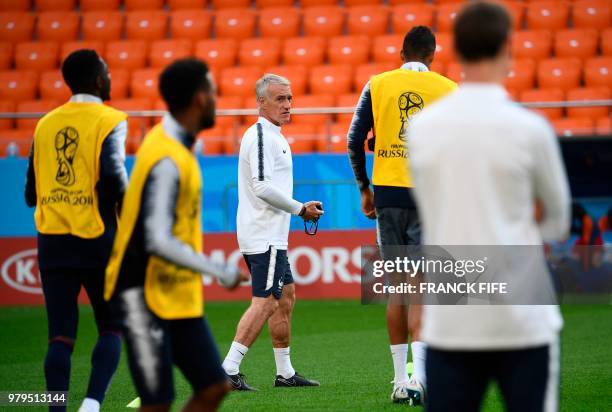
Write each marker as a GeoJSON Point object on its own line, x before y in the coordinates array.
{"type": "Point", "coordinates": [171, 292]}
{"type": "Point", "coordinates": [67, 146]}
{"type": "Point", "coordinates": [397, 96]}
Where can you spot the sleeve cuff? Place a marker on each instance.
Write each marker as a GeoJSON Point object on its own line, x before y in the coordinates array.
{"type": "Point", "coordinates": [297, 208]}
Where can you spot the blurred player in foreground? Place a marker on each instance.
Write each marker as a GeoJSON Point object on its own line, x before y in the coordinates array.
{"type": "Point", "coordinates": [387, 104]}
{"type": "Point", "coordinates": [76, 179]}
{"type": "Point", "coordinates": [265, 206]}
{"type": "Point", "coordinates": [480, 162]}
{"type": "Point", "coordinates": [154, 276]}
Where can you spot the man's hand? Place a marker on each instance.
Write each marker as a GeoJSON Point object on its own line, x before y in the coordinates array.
{"type": "Point", "coordinates": [312, 210]}
{"type": "Point", "coordinates": [538, 211]}
{"type": "Point", "coordinates": [367, 203]}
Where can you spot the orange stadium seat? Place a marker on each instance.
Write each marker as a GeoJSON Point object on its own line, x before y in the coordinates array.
{"type": "Point", "coordinates": [333, 139]}
{"type": "Point", "coordinates": [348, 49]}
{"type": "Point", "coordinates": [239, 81]}
{"type": "Point", "coordinates": [15, 5]}
{"type": "Point", "coordinates": [444, 48]}
{"type": "Point", "coordinates": [316, 3]}
{"type": "Point", "coordinates": [235, 23]}
{"type": "Point", "coordinates": [351, 3]}
{"type": "Point", "coordinates": [144, 84]}
{"type": "Point", "coordinates": [548, 15]}
{"type": "Point", "coordinates": [445, 16]}
{"type": "Point", "coordinates": [54, 5]}
{"type": "Point", "coordinates": [16, 26]}
{"type": "Point", "coordinates": [34, 106]}
{"type": "Point", "coordinates": [545, 95]}
{"type": "Point", "coordinates": [261, 4]}
{"type": "Point", "coordinates": [406, 16]}
{"type": "Point", "coordinates": [521, 76]}
{"type": "Point", "coordinates": [347, 100]}
{"type": "Point", "coordinates": [581, 43]}
{"type": "Point", "coordinates": [120, 80]}
{"type": "Point", "coordinates": [387, 48]}
{"type": "Point", "coordinates": [606, 42]}
{"type": "Point", "coordinates": [248, 102]}
{"type": "Point", "coordinates": [588, 93]}
{"type": "Point", "coordinates": [335, 79]}
{"type": "Point", "coordinates": [230, 4]}
{"type": "Point", "coordinates": [102, 25]}
{"type": "Point", "coordinates": [593, 14]}
{"type": "Point", "coordinates": [52, 86]}
{"type": "Point", "coordinates": [213, 140]}
{"type": "Point", "coordinates": [72, 46]}
{"type": "Point", "coordinates": [137, 126]}
{"type": "Point", "coordinates": [367, 20]}
{"type": "Point", "coordinates": [6, 55]}
{"type": "Point", "coordinates": [99, 5]}
{"type": "Point", "coordinates": [603, 126]}
{"type": "Point", "coordinates": [129, 54]}
{"type": "Point", "coordinates": [218, 53]}
{"type": "Point", "coordinates": [18, 139]}
{"type": "Point", "coordinates": [131, 5]}
{"type": "Point", "coordinates": [37, 56]}
{"type": "Point", "coordinates": [297, 75]}
{"type": "Point", "coordinates": [164, 52]}
{"type": "Point", "coordinates": [307, 51]}
{"type": "Point", "coordinates": [438, 67]}
{"type": "Point", "coordinates": [159, 104]}
{"type": "Point", "coordinates": [531, 44]}
{"type": "Point", "coordinates": [279, 22]}
{"type": "Point", "coordinates": [17, 85]}
{"type": "Point", "coordinates": [516, 11]}
{"type": "Point", "coordinates": [228, 102]}
{"type": "Point", "coordinates": [562, 73]}
{"type": "Point", "coordinates": [454, 71]}
{"type": "Point", "coordinates": [363, 72]}
{"type": "Point", "coordinates": [146, 25]}
{"type": "Point", "coordinates": [186, 4]}
{"type": "Point", "coordinates": [259, 52]}
{"type": "Point", "coordinates": [324, 21]}
{"type": "Point", "coordinates": [301, 137]}
{"type": "Point", "coordinates": [9, 107]}
{"type": "Point", "coordinates": [569, 126]}
{"type": "Point", "coordinates": [190, 24]}
{"type": "Point", "coordinates": [598, 72]}
{"type": "Point", "coordinates": [58, 26]}
{"type": "Point", "coordinates": [312, 100]}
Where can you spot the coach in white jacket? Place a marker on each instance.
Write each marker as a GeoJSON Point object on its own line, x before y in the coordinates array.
{"type": "Point", "coordinates": [480, 162]}
{"type": "Point", "coordinates": [265, 206]}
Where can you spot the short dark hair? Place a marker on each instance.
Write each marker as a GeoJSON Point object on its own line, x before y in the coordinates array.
{"type": "Point", "coordinates": [180, 81]}
{"type": "Point", "coordinates": [419, 43]}
{"type": "Point", "coordinates": [481, 29]}
{"type": "Point", "coordinates": [81, 70]}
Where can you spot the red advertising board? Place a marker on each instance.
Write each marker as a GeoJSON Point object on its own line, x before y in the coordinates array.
{"type": "Point", "coordinates": [324, 266]}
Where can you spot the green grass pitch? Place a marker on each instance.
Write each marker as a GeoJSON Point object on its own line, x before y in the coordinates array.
{"type": "Point", "coordinates": [341, 343]}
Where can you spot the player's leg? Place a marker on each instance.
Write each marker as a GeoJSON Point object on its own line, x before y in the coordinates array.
{"type": "Point", "coordinates": [195, 353]}
{"type": "Point", "coordinates": [529, 379]}
{"type": "Point", "coordinates": [61, 289]}
{"type": "Point", "coordinates": [148, 350]}
{"type": "Point", "coordinates": [106, 353]}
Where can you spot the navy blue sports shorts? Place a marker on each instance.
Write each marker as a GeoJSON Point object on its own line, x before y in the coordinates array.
{"type": "Point", "coordinates": [270, 271]}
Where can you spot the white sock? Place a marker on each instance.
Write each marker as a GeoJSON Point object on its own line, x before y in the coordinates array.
{"type": "Point", "coordinates": [399, 353]}
{"type": "Point", "coordinates": [231, 364]}
{"type": "Point", "coordinates": [418, 361]}
{"type": "Point", "coordinates": [90, 405]}
{"type": "Point", "coordinates": [283, 362]}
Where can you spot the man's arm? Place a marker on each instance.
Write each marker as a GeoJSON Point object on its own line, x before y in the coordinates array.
{"type": "Point", "coordinates": [158, 216]}
{"type": "Point", "coordinates": [362, 123]}
{"type": "Point", "coordinates": [113, 175]}
{"type": "Point", "coordinates": [30, 184]}
{"type": "Point", "coordinates": [262, 154]}
{"type": "Point", "coordinates": [551, 187]}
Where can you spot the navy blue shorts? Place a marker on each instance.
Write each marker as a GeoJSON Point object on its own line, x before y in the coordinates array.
{"type": "Point", "coordinates": [154, 345]}
{"type": "Point", "coordinates": [270, 271]}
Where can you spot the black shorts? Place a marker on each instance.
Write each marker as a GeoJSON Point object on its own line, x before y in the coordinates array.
{"type": "Point", "coordinates": [154, 345]}
{"type": "Point", "coordinates": [61, 289]}
{"type": "Point", "coordinates": [270, 271]}
{"type": "Point", "coordinates": [397, 226]}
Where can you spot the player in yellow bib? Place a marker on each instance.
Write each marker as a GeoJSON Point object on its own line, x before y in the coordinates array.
{"type": "Point", "coordinates": [386, 107]}
{"type": "Point", "coordinates": [76, 178]}
{"type": "Point", "coordinates": [154, 276]}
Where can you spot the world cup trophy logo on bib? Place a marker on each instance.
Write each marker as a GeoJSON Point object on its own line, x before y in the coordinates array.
{"type": "Point", "coordinates": [409, 104]}
{"type": "Point", "coordinates": [66, 144]}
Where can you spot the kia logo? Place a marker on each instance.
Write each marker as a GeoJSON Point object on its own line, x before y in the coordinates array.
{"type": "Point", "coordinates": [20, 272]}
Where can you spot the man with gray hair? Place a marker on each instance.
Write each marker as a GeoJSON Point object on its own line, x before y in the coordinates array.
{"type": "Point", "coordinates": [265, 206]}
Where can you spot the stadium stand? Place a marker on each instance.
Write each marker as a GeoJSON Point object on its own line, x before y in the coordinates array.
{"type": "Point", "coordinates": [192, 24]}
{"type": "Point", "coordinates": [280, 22]}
{"type": "Point", "coordinates": [545, 95]}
